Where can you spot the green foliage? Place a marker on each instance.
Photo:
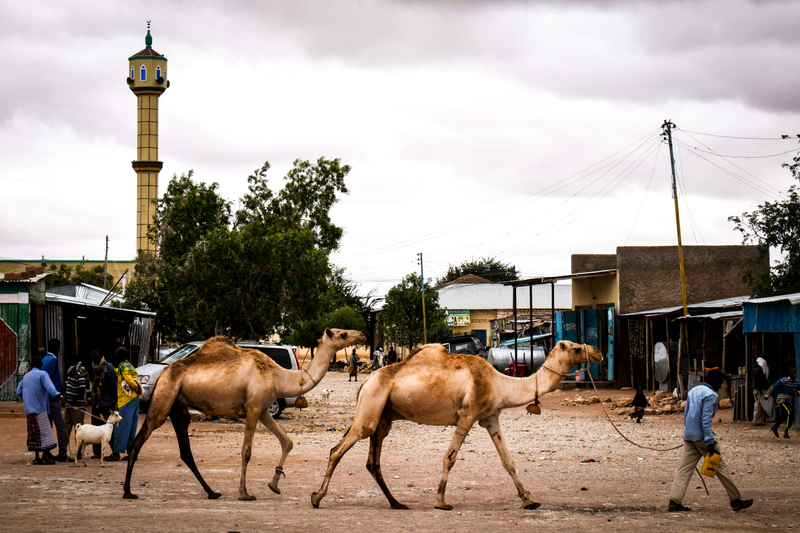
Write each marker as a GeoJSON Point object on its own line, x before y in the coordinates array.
{"type": "Point", "coordinates": [775, 224]}
{"type": "Point", "coordinates": [259, 270]}
{"type": "Point", "coordinates": [486, 267]}
{"type": "Point", "coordinates": [65, 275]}
{"type": "Point", "coordinates": [401, 319]}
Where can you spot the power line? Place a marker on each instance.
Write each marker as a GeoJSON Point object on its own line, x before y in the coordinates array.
{"type": "Point", "coordinates": [781, 138]}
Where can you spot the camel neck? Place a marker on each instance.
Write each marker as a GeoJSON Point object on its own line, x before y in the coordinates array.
{"type": "Point", "coordinates": [303, 380]}
{"type": "Point", "coordinates": [522, 391]}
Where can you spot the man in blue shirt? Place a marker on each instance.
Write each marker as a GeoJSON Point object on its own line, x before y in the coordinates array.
{"type": "Point", "coordinates": [786, 389]}
{"type": "Point", "coordinates": [38, 393]}
{"type": "Point", "coordinates": [50, 365]}
{"type": "Point", "coordinates": [698, 440]}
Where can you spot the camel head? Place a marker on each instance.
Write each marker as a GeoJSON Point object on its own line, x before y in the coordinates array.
{"type": "Point", "coordinates": [340, 338]}
{"type": "Point", "coordinates": [575, 353]}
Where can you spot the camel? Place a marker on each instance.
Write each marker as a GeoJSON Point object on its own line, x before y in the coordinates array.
{"type": "Point", "coordinates": [222, 379]}
{"type": "Point", "coordinates": [438, 388]}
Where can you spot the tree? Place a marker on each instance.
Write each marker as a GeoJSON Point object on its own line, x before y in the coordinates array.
{"type": "Point", "coordinates": [260, 270]}
{"type": "Point", "coordinates": [486, 267]}
{"type": "Point", "coordinates": [401, 319]}
{"type": "Point", "coordinates": [64, 275]}
{"type": "Point", "coordinates": [775, 224]}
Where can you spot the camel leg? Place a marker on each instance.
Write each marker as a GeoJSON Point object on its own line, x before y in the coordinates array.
{"type": "Point", "coordinates": [180, 422]}
{"type": "Point", "coordinates": [253, 414]}
{"type": "Point", "coordinates": [462, 430]}
{"type": "Point", "coordinates": [492, 425]}
{"type": "Point", "coordinates": [153, 421]}
{"type": "Point", "coordinates": [286, 447]}
{"type": "Point", "coordinates": [374, 460]}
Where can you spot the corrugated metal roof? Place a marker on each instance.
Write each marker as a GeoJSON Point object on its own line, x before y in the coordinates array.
{"type": "Point", "coordinates": [86, 293]}
{"type": "Point", "coordinates": [713, 316]}
{"type": "Point", "coordinates": [565, 277]}
{"type": "Point", "coordinates": [60, 298]}
{"type": "Point", "coordinates": [793, 299]}
{"type": "Point", "coordinates": [34, 279]}
{"type": "Point", "coordinates": [497, 296]}
{"type": "Point", "coordinates": [724, 302]}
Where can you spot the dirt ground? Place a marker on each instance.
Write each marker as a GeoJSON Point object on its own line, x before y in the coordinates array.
{"type": "Point", "coordinates": [627, 488]}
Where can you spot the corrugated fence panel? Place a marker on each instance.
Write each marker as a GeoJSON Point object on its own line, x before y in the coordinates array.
{"type": "Point", "coordinates": [8, 361]}
{"type": "Point", "coordinates": [139, 332]}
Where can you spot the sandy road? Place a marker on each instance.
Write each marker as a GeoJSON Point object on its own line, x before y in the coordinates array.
{"type": "Point", "coordinates": [626, 489]}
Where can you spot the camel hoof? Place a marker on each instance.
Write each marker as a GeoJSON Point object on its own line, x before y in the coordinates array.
{"type": "Point", "coordinates": [214, 495]}
{"type": "Point", "coordinates": [532, 505]}
{"type": "Point", "coordinates": [129, 496]}
{"type": "Point", "coordinates": [400, 506]}
{"type": "Point", "coordinates": [315, 500]}
{"type": "Point", "coordinates": [274, 489]}
{"type": "Point", "coordinates": [247, 497]}
{"type": "Point", "coordinates": [443, 506]}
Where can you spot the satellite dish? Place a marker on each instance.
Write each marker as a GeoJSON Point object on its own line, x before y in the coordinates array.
{"type": "Point", "coordinates": [661, 362]}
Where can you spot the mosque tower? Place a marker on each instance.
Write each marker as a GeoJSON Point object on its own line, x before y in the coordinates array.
{"type": "Point", "coordinates": [148, 79]}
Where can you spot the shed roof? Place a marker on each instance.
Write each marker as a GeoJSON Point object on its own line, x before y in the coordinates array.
{"type": "Point", "coordinates": [793, 299]}
{"type": "Point", "coordinates": [736, 301]}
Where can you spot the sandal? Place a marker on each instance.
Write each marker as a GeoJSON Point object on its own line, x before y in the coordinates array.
{"type": "Point", "coordinates": [37, 461]}
{"type": "Point", "coordinates": [675, 507]}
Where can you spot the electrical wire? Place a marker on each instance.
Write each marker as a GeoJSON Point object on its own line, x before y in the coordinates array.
{"type": "Point", "coordinates": [742, 138]}
{"type": "Point", "coordinates": [649, 182]}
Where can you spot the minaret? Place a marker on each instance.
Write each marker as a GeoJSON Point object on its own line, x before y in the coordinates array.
{"type": "Point", "coordinates": [148, 79]}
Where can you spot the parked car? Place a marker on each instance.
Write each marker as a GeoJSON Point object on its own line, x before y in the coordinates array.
{"type": "Point", "coordinates": [285, 356]}
{"type": "Point", "coordinates": [464, 344]}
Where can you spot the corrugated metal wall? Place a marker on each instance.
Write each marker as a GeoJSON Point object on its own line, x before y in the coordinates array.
{"type": "Point", "coordinates": [53, 328]}
{"type": "Point", "coordinates": [15, 315]}
{"type": "Point", "coordinates": [139, 333]}
{"type": "Point", "coordinates": [8, 356]}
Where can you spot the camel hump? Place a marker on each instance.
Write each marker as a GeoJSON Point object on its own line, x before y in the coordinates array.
{"type": "Point", "coordinates": [221, 339]}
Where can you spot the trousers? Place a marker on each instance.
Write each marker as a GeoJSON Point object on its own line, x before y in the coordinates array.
{"type": "Point", "coordinates": [125, 431]}
{"type": "Point", "coordinates": [693, 451]}
{"type": "Point", "coordinates": [57, 419]}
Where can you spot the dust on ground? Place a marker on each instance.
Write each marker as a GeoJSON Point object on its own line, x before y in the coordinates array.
{"type": "Point", "coordinates": [625, 488]}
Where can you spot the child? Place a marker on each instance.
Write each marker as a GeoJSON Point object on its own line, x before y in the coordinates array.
{"type": "Point", "coordinates": [76, 385]}
{"type": "Point", "coordinates": [639, 403]}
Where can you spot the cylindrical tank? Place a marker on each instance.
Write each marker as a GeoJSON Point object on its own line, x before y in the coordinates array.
{"type": "Point", "coordinates": [501, 357]}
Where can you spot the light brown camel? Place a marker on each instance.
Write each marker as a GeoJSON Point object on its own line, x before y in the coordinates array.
{"type": "Point", "coordinates": [222, 379]}
{"type": "Point", "coordinates": [435, 387]}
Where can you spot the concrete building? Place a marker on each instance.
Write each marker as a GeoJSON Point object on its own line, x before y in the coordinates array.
{"type": "Point", "coordinates": [148, 81]}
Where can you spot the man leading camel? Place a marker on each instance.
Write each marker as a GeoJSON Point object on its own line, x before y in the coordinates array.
{"type": "Point", "coordinates": [698, 440]}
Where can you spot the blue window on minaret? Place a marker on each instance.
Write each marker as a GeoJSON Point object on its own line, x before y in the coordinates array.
{"type": "Point", "coordinates": [143, 73]}
{"type": "Point", "coordinates": [158, 72]}
{"type": "Point", "coordinates": [133, 75]}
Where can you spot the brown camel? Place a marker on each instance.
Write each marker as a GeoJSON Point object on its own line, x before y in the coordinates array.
{"type": "Point", "coordinates": [437, 388]}
{"type": "Point", "coordinates": [222, 379]}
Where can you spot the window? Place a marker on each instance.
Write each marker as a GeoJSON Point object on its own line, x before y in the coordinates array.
{"type": "Point", "coordinates": [158, 72]}
{"type": "Point", "coordinates": [133, 75]}
{"type": "Point", "coordinates": [143, 73]}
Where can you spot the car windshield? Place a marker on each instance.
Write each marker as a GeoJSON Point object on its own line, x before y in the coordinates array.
{"type": "Point", "coordinates": [180, 353]}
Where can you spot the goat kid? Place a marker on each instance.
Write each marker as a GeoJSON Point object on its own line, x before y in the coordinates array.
{"type": "Point", "coordinates": [88, 434]}
{"type": "Point", "coordinates": [326, 395]}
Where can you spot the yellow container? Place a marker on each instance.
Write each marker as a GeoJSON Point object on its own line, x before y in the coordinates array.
{"type": "Point", "coordinates": [710, 465]}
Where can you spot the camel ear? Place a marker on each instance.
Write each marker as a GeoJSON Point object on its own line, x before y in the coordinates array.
{"type": "Point", "coordinates": [328, 332]}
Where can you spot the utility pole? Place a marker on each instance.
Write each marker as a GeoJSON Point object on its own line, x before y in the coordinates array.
{"type": "Point", "coordinates": [105, 267]}
{"type": "Point", "coordinates": [667, 126]}
{"type": "Point", "coordinates": [424, 321]}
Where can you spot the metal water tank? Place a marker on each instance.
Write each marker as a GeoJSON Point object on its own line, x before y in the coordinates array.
{"type": "Point", "coordinates": [501, 357]}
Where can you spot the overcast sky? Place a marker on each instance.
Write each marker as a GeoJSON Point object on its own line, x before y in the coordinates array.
{"type": "Point", "coordinates": [523, 131]}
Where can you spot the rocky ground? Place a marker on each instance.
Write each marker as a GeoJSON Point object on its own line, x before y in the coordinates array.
{"type": "Point", "coordinates": [622, 488]}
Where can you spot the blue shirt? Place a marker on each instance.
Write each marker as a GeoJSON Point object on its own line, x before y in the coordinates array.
{"type": "Point", "coordinates": [50, 365]}
{"type": "Point", "coordinates": [785, 386]}
{"type": "Point", "coordinates": [37, 391]}
{"type": "Point", "coordinates": [701, 406]}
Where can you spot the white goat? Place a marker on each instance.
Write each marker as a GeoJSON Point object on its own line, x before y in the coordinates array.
{"type": "Point", "coordinates": [326, 395]}
{"type": "Point", "coordinates": [88, 434]}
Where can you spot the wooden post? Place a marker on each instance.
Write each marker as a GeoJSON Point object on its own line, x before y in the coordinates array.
{"type": "Point", "coordinates": [724, 343]}
{"type": "Point", "coordinates": [647, 349]}
{"type": "Point", "coordinates": [680, 355]}
{"type": "Point", "coordinates": [703, 369]}
{"type": "Point", "coordinates": [630, 349]}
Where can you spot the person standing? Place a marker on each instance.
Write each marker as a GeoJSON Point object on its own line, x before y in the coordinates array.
{"type": "Point", "coordinates": [639, 403]}
{"type": "Point", "coordinates": [50, 365]}
{"type": "Point", "coordinates": [786, 388]}
{"type": "Point", "coordinates": [38, 395]}
{"type": "Point", "coordinates": [128, 391]}
{"type": "Point", "coordinates": [699, 439]}
{"type": "Point", "coordinates": [764, 406]}
{"type": "Point", "coordinates": [75, 396]}
{"type": "Point", "coordinates": [391, 357]}
{"type": "Point", "coordinates": [104, 399]}
{"type": "Point", "coordinates": [377, 358]}
{"type": "Point", "coordinates": [353, 366]}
